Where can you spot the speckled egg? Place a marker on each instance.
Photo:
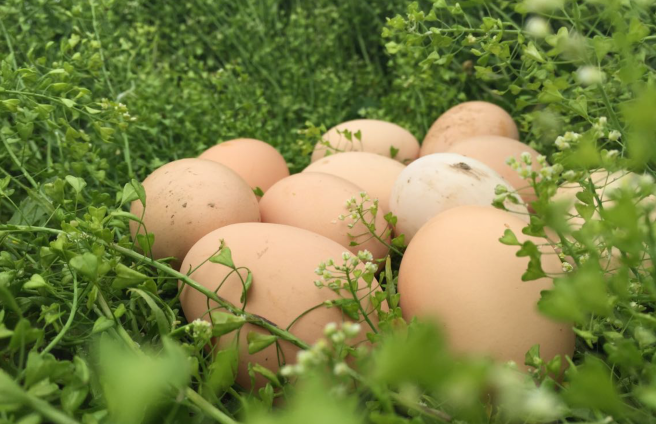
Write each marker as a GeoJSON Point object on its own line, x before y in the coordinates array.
{"type": "Point", "coordinates": [282, 260]}
{"type": "Point", "coordinates": [379, 137]}
{"type": "Point", "coordinates": [457, 272]}
{"type": "Point", "coordinates": [374, 173]}
{"type": "Point", "coordinates": [466, 120]}
{"type": "Point", "coordinates": [494, 150]}
{"type": "Point", "coordinates": [315, 202]}
{"type": "Point", "coordinates": [257, 162]}
{"type": "Point", "coordinates": [187, 199]}
{"type": "Point", "coordinates": [441, 181]}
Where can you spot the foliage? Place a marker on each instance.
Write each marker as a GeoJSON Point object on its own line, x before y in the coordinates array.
{"type": "Point", "coordinates": [95, 95]}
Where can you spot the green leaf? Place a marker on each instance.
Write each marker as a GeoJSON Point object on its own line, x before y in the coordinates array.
{"type": "Point", "coordinates": [133, 191]}
{"type": "Point", "coordinates": [390, 218]}
{"type": "Point", "coordinates": [67, 102]}
{"type": "Point", "coordinates": [258, 341]}
{"type": "Point", "coordinates": [509, 238]}
{"type": "Point", "coordinates": [102, 324]}
{"type": "Point", "coordinates": [393, 152]}
{"type": "Point", "coordinates": [534, 270]}
{"type": "Point", "coordinates": [77, 183]}
{"type": "Point", "coordinates": [222, 371]}
{"type": "Point", "coordinates": [224, 323]}
{"type": "Point", "coordinates": [532, 357]}
{"type": "Point", "coordinates": [257, 368]}
{"type": "Point", "coordinates": [72, 397]}
{"type": "Point", "coordinates": [247, 285]}
{"type": "Point", "coordinates": [592, 387]}
{"type": "Point", "coordinates": [127, 277]}
{"type": "Point", "coordinates": [224, 257]}
{"type": "Point", "coordinates": [24, 335]}
{"type": "Point", "coordinates": [86, 265]}
{"type": "Point", "coordinates": [146, 242]}
{"type": "Point", "coordinates": [163, 325]}
{"type": "Point", "coordinates": [531, 51]}
{"type": "Point", "coordinates": [258, 192]}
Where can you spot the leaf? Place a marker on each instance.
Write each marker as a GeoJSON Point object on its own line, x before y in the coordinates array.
{"type": "Point", "coordinates": [509, 238]}
{"type": "Point", "coordinates": [72, 397]}
{"type": "Point", "coordinates": [247, 285]}
{"type": "Point", "coordinates": [35, 282]}
{"type": "Point", "coordinates": [591, 386]}
{"type": "Point", "coordinates": [534, 270]}
{"type": "Point", "coordinates": [224, 257]}
{"type": "Point", "coordinates": [393, 152]}
{"type": "Point", "coordinates": [258, 341]}
{"type": "Point", "coordinates": [224, 323]}
{"type": "Point", "coordinates": [223, 371]}
{"type": "Point", "coordinates": [531, 51]}
{"type": "Point", "coordinates": [24, 335]}
{"type": "Point", "coordinates": [67, 102]}
{"type": "Point", "coordinates": [163, 325]}
{"type": "Point", "coordinates": [92, 110]}
{"type": "Point", "coordinates": [257, 368]}
{"type": "Point", "coordinates": [86, 265]}
{"type": "Point", "coordinates": [146, 242]}
{"type": "Point", "coordinates": [258, 192]}
{"type": "Point", "coordinates": [102, 324]}
{"type": "Point", "coordinates": [77, 183]}
{"type": "Point", "coordinates": [133, 191]}
{"type": "Point", "coordinates": [532, 357]}
{"type": "Point", "coordinates": [390, 218]}
{"type": "Point", "coordinates": [127, 277]}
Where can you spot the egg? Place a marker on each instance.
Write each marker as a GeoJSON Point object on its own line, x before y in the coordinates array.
{"type": "Point", "coordinates": [438, 182]}
{"type": "Point", "coordinates": [379, 137]}
{"type": "Point", "coordinates": [315, 201]}
{"type": "Point", "coordinates": [457, 272]}
{"type": "Point", "coordinates": [257, 162]}
{"type": "Point", "coordinates": [282, 260]}
{"type": "Point", "coordinates": [187, 199]}
{"type": "Point", "coordinates": [493, 151]}
{"type": "Point", "coordinates": [374, 173]}
{"type": "Point", "coordinates": [466, 120]}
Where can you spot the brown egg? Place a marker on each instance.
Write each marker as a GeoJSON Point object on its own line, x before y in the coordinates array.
{"type": "Point", "coordinates": [282, 260]}
{"type": "Point", "coordinates": [257, 162]}
{"type": "Point", "coordinates": [455, 270]}
{"type": "Point", "coordinates": [379, 137]}
{"type": "Point", "coordinates": [374, 173]}
{"type": "Point", "coordinates": [494, 150]}
{"type": "Point", "coordinates": [314, 201]}
{"type": "Point", "coordinates": [187, 199]}
{"type": "Point", "coordinates": [466, 120]}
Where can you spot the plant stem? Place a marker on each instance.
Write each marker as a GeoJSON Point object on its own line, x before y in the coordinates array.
{"type": "Point", "coordinates": [63, 331]}
{"type": "Point", "coordinates": [208, 408]}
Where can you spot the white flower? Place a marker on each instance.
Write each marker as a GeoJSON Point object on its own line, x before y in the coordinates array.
{"type": "Point", "coordinates": [538, 27]}
{"type": "Point", "coordinates": [572, 136]}
{"type": "Point", "coordinates": [365, 255]}
{"type": "Point", "coordinates": [338, 337]}
{"type": "Point", "coordinates": [351, 329]}
{"type": "Point", "coordinates": [330, 329]}
{"type": "Point", "coordinates": [526, 158]}
{"type": "Point", "coordinates": [567, 267]}
{"type": "Point", "coordinates": [500, 189]}
{"type": "Point", "coordinates": [614, 135]}
{"type": "Point", "coordinates": [341, 369]}
{"type": "Point", "coordinates": [471, 39]}
{"type": "Point", "coordinates": [588, 75]}
{"type": "Point", "coordinates": [370, 268]}
{"type": "Point", "coordinates": [346, 256]}
{"type": "Point", "coordinates": [287, 371]}
{"type": "Point", "coordinates": [561, 144]}
{"type": "Point", "coordinates": [542, 160]}
{"type": "Point", "coordinates": [305, 357]}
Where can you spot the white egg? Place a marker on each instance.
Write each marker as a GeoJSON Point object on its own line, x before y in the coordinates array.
{"type": "Point", "coordinates": [441, 181]}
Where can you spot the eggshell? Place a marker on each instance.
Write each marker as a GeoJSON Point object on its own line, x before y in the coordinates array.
{"type": "Point", "coordinates": [435, 183]}
{"type": "Point", "coordinates": [376, 137]}
{"type": "Point", "coordinates": [314, 201]}
{"type": "Point", "coordinates": [466, 120]}
{"type": "Point", "coordinates": [282, 260]}
{"type": "Point", "coordinates": [493, 151]}
{"type": "Point", "coordinates": [456, 271]}
{"type": "Point", "coordinates": [257, 162]}
{"type": "Point", "coordinates": [187, 199]}
{"type": "Point", "coordinates": [374, 173]}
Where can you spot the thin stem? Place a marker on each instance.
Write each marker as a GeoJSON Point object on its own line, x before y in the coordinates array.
{"type": "Point", "coordinates": [17, 162]}
{"type": "Point", "coordinates": [100, 49]}
{"type": "Point", "coordinates": [69, 322]}
{"type": "Point", "coordinates": [207, 407]}
{"type": "Point", "coordinates": [355, 296]}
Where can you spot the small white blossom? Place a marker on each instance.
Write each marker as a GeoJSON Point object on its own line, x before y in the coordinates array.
{"type": "Point", "coordinates": [542, 160]}
{"type": "Point", "coordinates": [471, 39]}
{"type": "Point", "coordinates": [346, 256]}
{"type": "Point", "coordinates": [567, 267]}
{"type": "Point", "coordinates": [588, 75]}
{"type": "Point", "coordinates": [330, 329]}
{"type": "Point", "coordinates": [614, 135]}
{"type": "Point", "coordinates": [287, 371]}
{"type": "Point", "coordinates": [538, 27]}
{"type": "Point", "coordinates": [572, 136]}
{"type": "Point", "coordinates": [351, 329]}
{"type": "Point", "coordinates": [526, 158]}
{"type": "Point", "coordinates": [365, 255]}
{"type": "Point", "coordinates": [338, 337]}
{"type": "Point", "coordinates": [341, 369]}
{"type": "Point", "coordinates": [569, 175]}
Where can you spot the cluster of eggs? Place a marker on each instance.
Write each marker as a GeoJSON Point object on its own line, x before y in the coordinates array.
{"type": "Point", "coordinates": [454, 268]}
